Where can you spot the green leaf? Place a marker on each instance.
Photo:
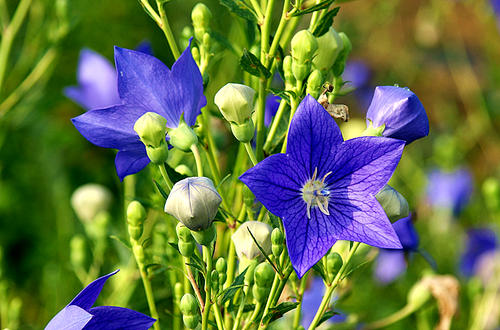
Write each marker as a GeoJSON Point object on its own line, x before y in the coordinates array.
{"type": "Point", "coordinates": [278, 311]}
{"type": "Point", "coordinates": [239, 8]}
{"type": "Point", "coordinates": [251, 64]}
{"type": "Point", "coordinates": [247, 308]}
{"type": "Point", "coordinates": [196, 266]}
{"type": "Point", "coordinates": [319, 6]}
{"type": "Point", "coordinates": [324, 24]}
{"type": "Point", "coordinates": [283, 94]}
{"type": "Point", "coordinates": [174, 245]}
{"type": "Point", "coordinates": [121, 240]}
{"type": "Point", "coordinates": [233, 288]}
{"type": "Point", "coordinates": [160, 189]}
{"type": "Point", "coordinates": [328, 315]}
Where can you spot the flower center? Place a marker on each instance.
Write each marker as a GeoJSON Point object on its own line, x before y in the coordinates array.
{"type": "Point", "coordinates": [314, 193]}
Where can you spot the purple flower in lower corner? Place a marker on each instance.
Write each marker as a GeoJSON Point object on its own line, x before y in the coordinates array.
{"type": "Point", "coordinates": [79, 313]}
{"type": "Point", "coordinates": [145, 84]}
{"type": "Point", "coordinates": [391, 263]}
{"type": "Point", "coordinates": [480, 242]}
{"type": "Point", "coordinates": [324, 188]}
{"type": "Point", "coordinates": [400, 110]}
{"type": "Point", "coordinates": [449, 190]}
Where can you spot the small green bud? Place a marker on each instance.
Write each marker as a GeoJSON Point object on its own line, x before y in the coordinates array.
{"type": "Point", "coordinates": [205, 237]}
{"type": "Point", "coordinates": [304, 45]}
{"type": "Point", "coordinates": [221, 265]}
{"type": "Point", "coordinates": [186, 248]}
{"type": "Point", "coordinates": [491, 193]}
{"type": "Point", "coordinates": [183, 233]}
{"type": "Point", "coordinates": [194, 201]}
{"type": "Point", "coordinates": [214, 277]}
{"type": "Point", "coordinates": [277, 240]}
{"type": "Point", "coordinates": [245, 244]}
{"type": "Point", "coordinates": [98, 229]}
{"type": "Point", "coordinates": [264, 275]}
{"type": "Point", "coordinates": [78, 253]}
{"type": "Point", "coordinates": [418, 295]}
{"type": "Point", "coordinates": [339, 65]}
{"type": "Point", "coordinates": [183, 137]}
{"type": "Point", "coordinates": [89, 200]}
{"type": "Point", "coordinates": [151, 128]}
{"type": "Point", "coordinates": [287, 70]}
{"type": "Point", "coordinates": [207, 41]}
{"type": "Point", "coordinates": [136, 214]}
{"type": "Point", "coordinates": [250, 271]}
{"type": "Point", "coordinates": [139, 253]}
{"type": "Point", "coordinates": [333, 264]}
{"type": "Point", "coordinates": [235, 102]}
{"type": "Point", "coordinates": [190, 311]}
{"type": "Point", "coordinates": [394, 204]}
{"type": "Point", "coordinates": [135, 232]}
{"type": "Point", "coordinates": [201, 17]}
{"type": "Point", "coordinates": [195, 52]}
{"type": "Point", "coordinates": [158, 156]}
{"type": "Point", "coordinates": [329, 47]}
{"type": "Point", "coordinates": [244, 132]}
{"type": "Point", "coordinates": [314, 83]}
{"type": "Point", "coordinates": [191, 321]}
{"type": "Point", "coordinates": [260, 293]}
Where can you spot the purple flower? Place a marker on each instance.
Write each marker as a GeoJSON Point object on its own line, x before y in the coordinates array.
{"type": "Point", "coordinates": [145, 84]}
{"type": "Point", "coordinates": [272, 105]}
{"type": "Point", "coordinates": [480, 241]}
{"type": "Point", "coordinates": [357, 75]}
{"type": "Point", "coordinates": [392, 263]}
{"type": "Point", "coordinates": [310, 303]}
{"type": "Point", "coordinates": [449, 190]}
{"type": "Point", "coordinates": [324, 188]}
{"type": "Point", "coordinates": [97, 81]}
{"type": "Point", "coordinates": [79, 313]}
{"type": "Point", "coordinates": [400, 110]}
{"type": "Point", "coordinates": [495, 4]}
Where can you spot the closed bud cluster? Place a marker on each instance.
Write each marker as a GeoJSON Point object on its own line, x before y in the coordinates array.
{"type": "Point", "coordinates": [78, 254]}
{"type": "Point", "coordinates": [152, 129]}
{"type": "Point", "coordinates": [394, 204]}
{"type": "Point", "coordinates": [263, 279]}
{"type": "Point", "coordinates": [183, 137]}
{"type": "Point", "coordinates": [89, 200]}
{"type": "Point", "coordinates": [304, 45]}
{"type": "Point", "coordinates": [333, 264]}
{"type": "Point", "coordinates": [136, 214]}
{"type": "Point", "coordinates": [329, 47]}
{"type": "Point", "coordinates": [186, 242]}
{"type": "Point", "coordinates": [221, 266]}
{"type": "Point", "coordinates": [190, 311]}
{"type": "Point", "coordinates": [194, 202]}
{"type": "Point", "coordinates": [339, 65]}
{"type": "Point", "coordinates": [277, 240]}
{"type": "Point", "coordinates": [287, 70]}
{"type": "Point", "coordinates": [214, 277]}
{"type": "Point", "coordinates": [201, 17]}
{"type": "Point", "coordinates": [314, 83]}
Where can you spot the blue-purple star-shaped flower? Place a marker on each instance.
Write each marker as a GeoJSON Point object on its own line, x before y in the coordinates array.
{"type": "Point", "coordinates": [79, 313]}
{"type": "Point", "coordinates": [480, 241]}
{"type": "Point", "coordinates": [324, 188]}
{"type": "Point", "coordinates": [145, 84]}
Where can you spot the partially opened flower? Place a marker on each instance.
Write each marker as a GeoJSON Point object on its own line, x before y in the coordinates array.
{"type": "Point", "coordinates": [400, 110]}
{"type": "Point", "coordinates": [324, 188]}
{"type": "Point", "coordinates": [145, 84]}
{"type": "Point", "coordinates": [449, 190]}
{"type": "Point", "coordinates": [391, 263]}
{"type": "Point", "coordinates": [480, 242]}
{"type": "Point", "coordinates": [79, 313]}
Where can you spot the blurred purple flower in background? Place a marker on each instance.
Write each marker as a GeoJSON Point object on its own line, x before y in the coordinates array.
{"type": "Point", "coordinates": [145, 84]}
{"type": "Point", "coordinates": [272, 105]}
{"type": "Point", "coordinates": [480, 242]}
{"type": "Point", "coordinates": [324, 187]}
{"type": "Point", "coordinates": [449, 190]}
{"type": "Point", "coordinates": [400, 110]}
{"type": "Point", "coordinates": [392, 263]}
{"type": "Point", "coordinates": [311, 300]}
{"type": "Point", "coordinates": [79, 313]}
{"type": "Point", "coordinates": [357, 74]}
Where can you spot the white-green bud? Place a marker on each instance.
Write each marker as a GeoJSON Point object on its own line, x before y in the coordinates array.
{"type": "Point", "coordinates": [183, 137]}
{"type": "Point", "coordinates": [394, 204]}
{"type": "Point", "coordinates": [277, 240]}
{"type": "Point", "coordinates": [333, 264]}
{"type": "Point", "coordinates": [329, 46]}
{"type": "Point", "coordinates": [194, 202]}
{"type": "Point", "coordinates": [136, 213]}
{"type": "Point", "coordinates": [89, 200]}
{"type": "Point", "coordinates": [201, 17]}
{"type": "Point", "coordinates": [235, 102]}
{"type": "Point", "coordinates": [314, 83]}
{"type": "Point", "coordinates": [244, 243]}
{"type": "Point", "coordinates": [243, 132]}
{"type": "Point", "coordinates": [151, 128]}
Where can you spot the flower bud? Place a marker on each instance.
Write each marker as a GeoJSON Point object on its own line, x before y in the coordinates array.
{"type": "Point", "coordinates": [201, 17]}
{"type": "Point", "coordinates": [194, 202]}
{"type": "Point", "coordinates": [78, 253]}
{"type": "Point", "coordinates": [244, 132]}
{"type": "Point", "coordinates": [393, 203]}
{"type": "Point", "coordinates": [221, 266]}
{"type": "Point", "coordinates": [214, 277]}
{"type": "Point", "coordinates": [314, 83]}
{"type": "Point", "coordinates": [250, 267]}
{"type": "Point", "coordinates": [304, 45]}
{"type": "Point", "coordinates": [136, 214]}
{"type": "Point", "coordinates": [235, 102]}
{"type": "Point", "coordinates": [339, 65]}
{"type": "Point", "coordinates": [89, 200]}
{"type": "Point", "coordinates": [98, 229]}
{"type": "Point", "coordinates": [186, 249]}
{"type": "Point", "coordinates": [277, 240]}
{"type": "Point", "coordinates": [151, 128]}
{"type": "Point", "coordinates": [190, 311]}
{"type": "Point", "coordinates": [183, 137]}
{"type": "Point", "coordinates": [287, 70]}
{"type": "Point", "coordinates": [333, 264]}
{"type": "Point", "coordinates": [329, 47]}
{"type": "Point", "coordinates": [206, 236]}
{"type": "Point", "coordinates": [244, 243]}
{"type": "Point", "coordinates": [186, 242]}
{"type": "Point", "coordinates": [263, 279]}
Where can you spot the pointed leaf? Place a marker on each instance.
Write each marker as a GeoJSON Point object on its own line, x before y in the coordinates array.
{"type": "Point", "coordinates": [233, 288]}
{"type": "Point", "coordinates": [251, 64]}
{"type": "Point", "coordinates": [319, 6]}
{"type": "Point", "coordinates": [278, 311]}
{"type": "Point", "coordinates": [325, 23]}
{"type": "Point", "coordinates": [239, 8]}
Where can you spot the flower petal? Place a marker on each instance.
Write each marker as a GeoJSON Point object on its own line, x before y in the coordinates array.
{"type": "Point", "coordinates": [131, 161]}
{"type": "Point", "coordinates": [114, 318]}
{"type": "Point", "coordinates": [87, 297]}
{"type": "Point", "coordinates": [111, 127]}
{"type": "Point", "coordinates": [70, 317]}
{"type": "Point", "coordinates": [185, 88]}
{"type": "Point", "coordinates": [406, 232]}
{"type": "Point", "coordinates": [390, 264]}
{"type": "Point", "coordinates": [274, 183]}
{"type": "Point", "coordinates": [312, 137]}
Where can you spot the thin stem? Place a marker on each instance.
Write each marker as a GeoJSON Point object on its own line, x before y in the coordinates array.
{"type": "Point", "coordinates": [250, 152]}
{"type": "Point", "coordinates": [218, 317]}
{"type": "Point", "coordinates": [296, 317]}
{"type": "Point", "coordinates": [195, 286]}
{"type": "Point", "coordinates": [151, 12]}
{"type": "Point", "coordinates": [237, 320]}
{"type": "Point", "coordinates": [328, 294]}
{"type": "Point", "coordinates": [277, 36]}
{"type": "Point", "coordinates": [258, 10]}
{"type": "Point", "coordinates": [274, 289]}
{"type": "Point", "coordinates": [165, 176]}
{"type": "Point", "coordinates": [207, 255]}
{"type": "Point", "coordinates": [165, 26]}
{"type": "Point", "coordinates": [294, 105]}
{"type": "Point", "coordinates": [255, 313]}
{"type": "Point", "coordinates": [275, 124]}
{"type": "Point", "coordinates": [393, 318]}
{"type": "Point", "coordinates": [197, 158]}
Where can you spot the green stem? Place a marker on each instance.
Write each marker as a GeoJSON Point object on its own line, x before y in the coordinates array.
{"type": "Point", "coordinates": [257, 9]}
{"type": "Point", "coordinates": [277, 36]}
{"type": "Point", "coordinates": [197, 158]}
{"type": "Point", "coordinates": [165, 26]}
{"type": "Point", "coordinates": [237, 320]}
{"type": "Point", "coordinates": [294, 105]}
{"type": "Point", "coordinates": [165, 176]}
{"type": "Point", "coordinates": [393, 318]}
{"type": "Point", "coordinates": [329, 291]}
{"type": "Point", "coordinates": [314, 18]}
{"type": "Point", "coordinates": [296, 317]}
{"type": "Point", "coordinates": [274, 126]}
{"type": "Point", "coordinates": [274, 289]}
{"type": "Point", "coordinates": [8, 35]}
{"type": "Point", "coordinates": [255, 313]}
{"type": "Point", "coordinates": [151, 12]}
{"type": "Point", "coordinates": [250, 152]}
{"type": "Point", "coordinates": [190, 277]}
{"type": "Point", "coordinates": [207, 255]}
{"type": "Point", "coordinates": [218, 317]}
